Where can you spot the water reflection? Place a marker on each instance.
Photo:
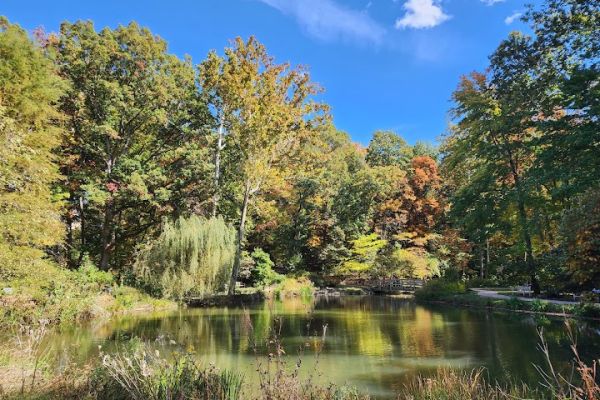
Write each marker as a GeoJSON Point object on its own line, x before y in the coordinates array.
{"type": "Point", "coordinates": [376, 343]}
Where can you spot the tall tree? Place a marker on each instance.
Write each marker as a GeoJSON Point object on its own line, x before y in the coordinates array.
{"type": "Point", "coordinates": [497, 119]}
{"type": "Point", "coordinates": [130, 114]}
{"type": "Point", "coordinates": [270, 111]}
{"type": "Point", "coordinates": [388, 148]}
{"type": "Point", "coordinates": [29, 90]}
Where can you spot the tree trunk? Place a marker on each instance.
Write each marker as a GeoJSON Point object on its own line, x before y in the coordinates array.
{"type": "Point", "coordinates": [81, 232]}
{"type": "Point", "coordinates": [240, 241]}
{"type": "Point", "coordinates": [70, 245]}
{"type": "Point", "coordinates": [220, 146]}
{"type": "Point", "coordinates": [535, 287]}
{"type": "Point", "coordinates": [107, 237]}
{"type": "Point", "coordinates": [482, 267]}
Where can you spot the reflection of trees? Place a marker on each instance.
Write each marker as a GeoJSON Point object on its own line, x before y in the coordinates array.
{"type": "Point", "coordinates": [377, 341]}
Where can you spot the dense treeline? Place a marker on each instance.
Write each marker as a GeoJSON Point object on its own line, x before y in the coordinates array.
{"type": "Point", "coordinates": [108, 139]}
{"type": "Point", "coordinates": [523, 161]}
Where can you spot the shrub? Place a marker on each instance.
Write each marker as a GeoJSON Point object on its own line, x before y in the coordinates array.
{"type": "Point", "coordinates": [409, 263]}
{"type": "Point", "coordinates": [515, 304]}
{"type": "Point", "coordinates": [439, 289]}
{"type": "Point", "coordinates": [295, 287]}
{"type": "Point", "coordinates": [262, 273]}
{"type": "Point", "coordinates": [91, 275]}
{"type": "Point", "coordinates": [539, 306]}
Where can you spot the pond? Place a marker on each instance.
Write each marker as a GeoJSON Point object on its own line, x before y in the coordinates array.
{"type": "Point", "coordinates": [374, 343]}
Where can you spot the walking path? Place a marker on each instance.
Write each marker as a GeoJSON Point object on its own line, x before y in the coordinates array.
{"type": "Point", "coordinates": [495, 295]}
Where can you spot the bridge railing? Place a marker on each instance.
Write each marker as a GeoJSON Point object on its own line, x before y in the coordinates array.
{"type": "Point", "coordinates": [388, 285]}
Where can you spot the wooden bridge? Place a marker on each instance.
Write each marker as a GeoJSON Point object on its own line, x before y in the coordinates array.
{"type": "Point", "coordinates": [390, 285]}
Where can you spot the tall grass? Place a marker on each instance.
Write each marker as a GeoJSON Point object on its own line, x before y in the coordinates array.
{"type": "Point", "coordinates": [141, 374]}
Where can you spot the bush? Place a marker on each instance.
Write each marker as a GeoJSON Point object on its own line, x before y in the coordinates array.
{"type": "Point", "coordinates": [295, 287]}
{"type": "Point", "coordinates": [439, 289]}
{"type": "Point", "coordinates": [539, 306]}
{"type": "Point", "coordinates": [91, 275]}
{"type": "Point", "coordinates": [262, 273]}
{"type": "Point", "coordinates": [409, 263]}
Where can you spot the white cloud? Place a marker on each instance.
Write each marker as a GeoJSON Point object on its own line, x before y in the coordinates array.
{"type": "Point", "coordinates": [327, 20]}
{"type": "Point", "coordinates": [421, 14]}
{"type": "Point", "coordinates": [511, 18]}
{"type": "Point", "coordinates": [492, 2]}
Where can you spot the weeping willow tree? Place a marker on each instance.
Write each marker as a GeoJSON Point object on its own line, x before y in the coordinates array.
{"type": "Point", "coordinates": [192, 256]}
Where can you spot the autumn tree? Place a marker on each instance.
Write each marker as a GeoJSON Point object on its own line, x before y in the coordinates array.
{"type": "Point", "coordinates": [388, 148]}
{"type": "Point", "coordinates": [129, 157]}
{"type": "Point", "coordinates": [29, 132]}
{"type": "Point", "coordinates": [268, 113]}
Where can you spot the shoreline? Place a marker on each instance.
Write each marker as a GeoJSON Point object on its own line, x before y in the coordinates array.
{"type": "Point", "coordinates": [468, 301]}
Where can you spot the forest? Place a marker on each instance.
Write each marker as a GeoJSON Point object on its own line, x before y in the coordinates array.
{"type": "Point", "coordinates": [126, 163]}
{"type": "Point", "coordinates": [135, 181]}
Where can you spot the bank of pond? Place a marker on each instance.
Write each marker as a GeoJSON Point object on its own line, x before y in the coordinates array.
{"type": "Point", "coordinates": [377, 345]}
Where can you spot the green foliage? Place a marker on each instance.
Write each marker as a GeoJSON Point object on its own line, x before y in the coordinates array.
{"type": "Point", "coordinates": [388, 148]}
{"type": "Point", "coordinates": [409, 263]}
{"type": "Point", "coordinates": [580, 228]}
{"type": "Point", "coordinates": [29, 215]}
{"type": "Point", "coordinates": [438, 289]}
{"type": "Point", "coordinates": [523, 154]}
{"type": "Point", "coordinates": [90, 274]}
{"type": "Point", "coordinates": [132, 154]}
{"type": "Point", "coordinates": [192, 256]}
{"type": "Point", "coordinates": [262, 273]}
{"type": "Point", "coordinates": [295, 287]}
{"type": "Point", "coordinates": [364, 252]}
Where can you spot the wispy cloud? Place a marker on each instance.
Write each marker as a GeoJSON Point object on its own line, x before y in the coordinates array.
{"type": "Point", "coordinates": [421, 14]}
{"type": "Point", "coordinates": [492, 2]}
{"type": "Point", "coordinates": [511, 18]}
{"type": "Point", "coordinates": [327, 20]}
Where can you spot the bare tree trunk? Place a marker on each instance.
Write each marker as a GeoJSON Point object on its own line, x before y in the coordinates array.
{"type": "Point", "coordinates": [220, 147]}
{"type": "Point", "coordinates": [240, 241]}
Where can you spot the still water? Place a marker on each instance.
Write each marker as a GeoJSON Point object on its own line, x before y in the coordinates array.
{"type": "Point", "coordinates": [373, 343]}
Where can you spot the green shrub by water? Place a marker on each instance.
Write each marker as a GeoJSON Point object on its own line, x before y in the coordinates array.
{"type": "Point", "coordinates": [438, 289]}
{"type": "Point", "coordinates": [262, 273]}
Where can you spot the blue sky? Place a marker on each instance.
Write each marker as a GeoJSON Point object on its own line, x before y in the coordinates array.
{"type": "Point", "coordinates": [384, 64]}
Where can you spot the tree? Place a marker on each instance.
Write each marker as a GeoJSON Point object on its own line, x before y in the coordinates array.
{"type": "Point", "coordinates": [270, 113]}
{"type": "Point", "coordinates": [192, 256]}
{"type": "Point", "coordinates": [29, 131]}
{"type": "Point", "coordinates": [580, 229]}
{"type": "Point", "coordinates": [388, 148]}
{"type": "Point", "coordinates": [131, 154]}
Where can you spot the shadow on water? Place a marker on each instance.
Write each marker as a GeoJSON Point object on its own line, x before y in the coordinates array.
{"type": "Point", "coordinates": [375, 343]}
